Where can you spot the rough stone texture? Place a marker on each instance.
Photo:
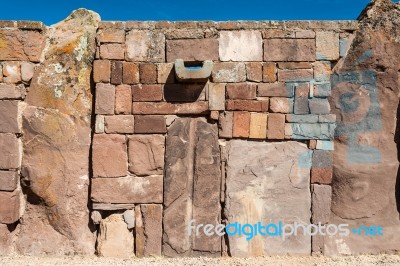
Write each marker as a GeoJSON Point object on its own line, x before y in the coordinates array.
{"type": "Point", "coordinates": [279, 89]}
{"type": "Point", "coordinates": [129, 189]}
{"type": "Point", "coordinates": [289, 50]}
{"type": "Point", "coordinates": [27, 71]}
{"type": "Point", "coordinates": [116, 72]}
{"type": "Point", "coordinates": [192, 187]}
{"type": "Point", "coordinates": [5, 240]}
{"type": "Point", "coordinates": [192, 50]}
{"type": "Point", "coordinates": [301, 105]}
{"type": "Point", "coordinates": [241, 125]}
{"type": "Point", "coordinates": [56, 128]}
{"type": "Point", "coordinates": [276, 126]}
{"type": "Point", "coordinates": [165, 73]}
{"type": "Point", "coordinates": [225, 123]}
{"type": "Point", "coordinates": [119, 124]}
{"type": "Point", "coordinates": [321, 203]}
{"type": "Point", "coordinates": [8, 180]}
{"type": "Point", "coordinates": [258, 126]}
{"type": "Point", "coordinates": [12, 206]}
{"type": "Point", "coordinates": [327, 45]}
{"type": "Point", "coordinates": [130, 73]}
{"type": "Point", "coordinates": [247, 105]}
{"type": "Point", "coordinates": [145, 46]}
{"type": "Point", "coordinates": [265, 182]}
{"type": "Point", "coordinates": [281, 105]}
{"type": "Point", "coordinates": [146, 154]}
{"type": "Point", "coordinates": [162, 108]}
{"type": "Point", "coordinates": [150, 124]}
{"type": "Point", "coordinates": [216, 96]}
{"type": "Point", "coordinates": [115, 240]}
{"type": "Point", "coordinates": [319, 106]}
{"type": "Point", "coordinates": [11, 91]}
{"type": "Point", "coordinates": [365, 163]}
{"type": "Point", "coordinates": [293, 75]}
{"type": "Point", "coordinates": [105, 95]}
{"type": "Point", "coordinates": [229, 72]}
{"type": "Point", "coordinates": [240, 46]}
{"type": "Point", "coordinates": [151, 216]}
{"type": "Point", "coordinates": [21, 45]}
{"type": "Point", "coordinates": [269, 72]}
{"type": "Point", "coordinates": [112, 51]}
{"type": "Point", "coordinates": [123, 99]}
{"type": "Point", "coordinates": [101, 71]}
{"type": "Point", "coordinates": [254, 71]}
{"type": "Point", "coordinates": [109, 146]}
{"type": "Point", "coordinates": [241, 91]}
{"type": "Point", "coordinates": [143, 93]}
{"type": "Point", "coordinates": [11, 72]}
{"type": "Point", "coordinates": [312, 131]}
{"type": "Point", "coordinates": [10, 155]}
{"type": "Point", "coordinates": [10, 112]}
{"type": "Point", "coordinates": [148, 73]}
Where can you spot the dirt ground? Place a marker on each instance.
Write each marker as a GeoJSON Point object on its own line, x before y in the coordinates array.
{"type": "Point", "coordinates": [275, 261]}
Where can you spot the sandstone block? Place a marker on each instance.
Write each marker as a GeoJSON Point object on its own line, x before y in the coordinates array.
{"type": "Point", "coordinates": [321, 196]}
{"type": "Point", "coordinates": [101, 71]}
{"type": "Point", "coordinates": [99, 126]}
{"type": "Point", "coordinates": [294, 75]}
{"type": "Point", "coordinates": [112, 51]}
{"type": "Point", "coordinates": [10, 116]}
{"type": "Point", "coordinates": [147, 108]}
{"type": "Point", "coordinates": [27, 71]}
{"type": "Point", "coordinates": [128, 189]}
{"type": "Point", "coordinates": [165, 73]}
{"type": "Point", "coordinates": [145, 46]}
{"type": "Point", "coordinates": [119, 124]}
{"type": "Point", "coordinates": [276, 126]}
{"type": "Point", "coordinates": [11, 72]}
{"type": "Point", "coordinates": [240, 46]}
{"type": "Point", "coordinates": [225, 124]}
{"type": "Point", "coordinates": [116, 72]}
{"type": "Point", "coordinates": [130, 73]}
{"type": "Point", "coordinates": [321, 171]}
{"type": "Point", "coordinates": [254, 71]}
{"type": "Point", "coordinates": [150, 124]}
{"type": "Point", "coordinates": [148, 73]}
{"type": "Point", "coordinates": [216, 96]}
{"type": "Point", "coordinates": [327, 45]}
{"type": "Point", "coordinates": [322, 70]}
{"type": "Point", "coordinates": [11, 91]}
{"type": "Point", "coordinates": [258, 126]}
{"type": "Point", "coordinates": [289, 50]}
{"type": "Point", "coordinates": [247, 105]}
{"type": "Point", "coordinates": [241, 91]}
{"type": "Point", "coordinates": [319, 106]}
{"type": "Point", "coordinates": [292, 118]}
{"type": "Point", "coordinates": [151, 216]}
{"type": "Point", "coordinates": [322, 89]}
{"type": "Point", "coordinates": [279, 89]}
{"type": "Point", "coordinates": [11, 207]}
{"type": "Point", "coordinates": [241, 124]}
{"type": "Point", "coordinates": [301, 101]}
{"type": "Point", "coordinates": [146, 154]}
{"type": "Point", "coordinates": [6, 244]}
{"type": "Point", "coordinates": [294, 65]}
{"type": "Point", "coordinates": [105, 97]}
{"type": "Point", "coordinates": [10, 156]}
{"type": "Point", "coordinates": [8, 180]}
{"type": "Point", "coordinates": [111, 36]}
{"type": "Point", "coordinates": [269, 72]}
{"type": "Point", "coordinates": [192, 50]}
{"type": "Point", "coordinates": [229, 72]}
{"type": "Point", "coordinates": [114, 239]}
{"type": "Point", "coordinates": [281, 105]}
{"type": "Point", "coordinates": [106, 147]}
{"type": "Point", "coordinates": [147, 93]}
{"type": "Point", "coordinates": [123, 99]}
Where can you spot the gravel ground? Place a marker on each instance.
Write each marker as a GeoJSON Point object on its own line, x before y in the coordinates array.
{"type": "Point", "coordinates": [273, 261]}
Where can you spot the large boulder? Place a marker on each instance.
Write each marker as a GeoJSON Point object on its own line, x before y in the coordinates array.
{"type": "Point", "coordinates": [365, 99]}
{"type": "Point", "coordinates": [56, 142]}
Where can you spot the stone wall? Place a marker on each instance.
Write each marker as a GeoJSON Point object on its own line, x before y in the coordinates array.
{"type": "Point", "coordinates": [106, 151]}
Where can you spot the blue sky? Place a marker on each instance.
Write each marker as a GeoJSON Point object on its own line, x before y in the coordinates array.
{"type": "Point", "coordinates": [51, 12]}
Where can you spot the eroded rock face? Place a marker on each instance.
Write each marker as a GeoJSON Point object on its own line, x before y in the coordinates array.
{"type": "Point", "coordinates": [191, 187]}
{"type": "Point", "coordinates": [57, 137]}
{"type": "Point", "coordinates": [365, 99]}
{"type": "Point", "coordinates": [268, 183]}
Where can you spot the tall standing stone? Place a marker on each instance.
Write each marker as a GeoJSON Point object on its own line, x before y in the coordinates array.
{"type": "Point", "coordinates": [191, 188]}
{"type": "Point", "coordinates": [57, 137]}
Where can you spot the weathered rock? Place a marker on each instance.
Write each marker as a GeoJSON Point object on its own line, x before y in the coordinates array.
{"type": "Point", "coordinates": [365, 164]}
{"type": "Point", "coordinates": [8, 180]}
{"type": "Point", "coordinates": [21, 45]}
{"type": "Point", "coordinates": [192, 187]}
{"type": "Point", "coordinates": [12, 206]}
{"type": "Point", "coordinates": [5, 240]}
{"type": "Point", "coordinates": [10, 156]}
{"type": "Point", "coordinates": [10, 121]}
{"type": "Point", "coordinates": [129, 218]}
{"type": "Point", "coordinates": [268, 182]}
{"type": "Point", "coordinates": [150, 240]}
{"type": "Point", "coordinates": [146, 154]}
{"type": "Point", "coordinates": [115, 240]}
{"type": "Point", "coordinates": [147, 46]}
{"type": "Point", "coordinates": [57, 137]}
{"type": "Point", "coordinates": [240, 46]}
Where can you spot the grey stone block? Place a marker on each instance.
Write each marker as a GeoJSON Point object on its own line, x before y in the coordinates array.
{"type": "Point", "coordinates": [322, 89]}
{"type": "Point", "coordinates": [312, 131]}
{"type": "Point", "coordinates": [293, 118]}
{"type": "Point", "coordinates": [319, 106]}
{"type": "Point", "coordinates": [331, 118]}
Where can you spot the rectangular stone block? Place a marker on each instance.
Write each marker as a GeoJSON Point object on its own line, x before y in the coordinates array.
{"type": "Point", "coordinates": [101, 71]}
{"type": "Point", "coordinates": [123, 99]}
{"type": "Point", "coordinates": [295, 75]}
{"type": "Point", "coordinates": [27, 71]}
{"type": "Point", "coordinates": [322, 70]}
{"type": "Point", "coordinates": [105, 97]}
{"type": "Point", "coordinates": [247, 105]}
{"type": "Point", "coordinates": [269, 72]}
{"type": "Point", "coordinates": [99, 124]}
{"type": "Point", "coordinates": [294, 65]}
{"type": "Point", "coordinates": [241, 125]}
{"type": "Point", "coordinates": [119, 124]}
{"type": "Point", "coordinates": [150, 217]}
{"type": "Point", "coordinates": [229, 72]}
{"type": "Point", "coordinates": [10, 155]}
{"type": "Point", "coordinates": [147, 108]}
{"type": "Point", "coordinates": [289, 50]}
{"type": "Point", "coordinates": [326, 145]}
{"type": "Point", "coordinates": [281, 105]}
{"type": "Point", "coordinates": [321, 171]}
{"type": "Point", "coordinates": [148, 73]}
{"type": "Point", "coordinates": [216, 96]}
{"type": "Point", "coordinates": [258, 126]}
{"type": "Point", "coordinates": [240, 46]}
{"type": "Point", "coordinates": [276, 126]}
{"type": "Point", "coordinates": [327, 45]}
{"type": "Point", "coordinates": [254, 71]}
{"type": "Point", "coordinates": [145, 46]}
{"type": "Point", "coordinates": [10, 207]}
{"type": "Point", "coordinates": [319, 106]}
{"type": "Point", "coordinates": [301, 105]}
{"type": "Point", "coordinates": [279, 89]}
{"type": "Point", "coordinates": [305, 34]}
{"type": "Point", "coordinates": [331, 118]}
{"type": "Point", "coordinates": [244, 91]}
{"type": "Point", "coordinates": [313, 131]}
{"type": "Point", "coordinates": [165, 73]}
{"type": "Point", "coordinates": [180, 92]}
{"type": "Point", "coordinates": [8, 180]}
{"type": "Point", "coordinates": [111, 36]}
{"type": "Point", "coordinates": [12, 72]}
{"type": "Point", "coordinates": [192, 50]}
{"type": "Point", "coordinates": [150, 124]}
{"type": "Point", "coordinates": [114, 51]}
{"type": "Point", "coordinates": [278, 34]}
{"type": "Point", "coordinates": [321, 196]}
{"type": "Point", "coordinates": [146, 154]}
{"type": "Point", "coordinates": [292, 118]}
{"type": "Point", "coordinates": [130, 73]}
{"type": "Point", "coordinates": [116, 72]}
{"type": "Point", "coordinates": [10, 116]}
{"type": "Point", "coordinates": [225, 124]}
{"type": "Point", "coordinates": [105, 147]}
{"type": "Point", "coordinates": [322, 89]}
{"type": "Point", "coordinates": [147, 93]}
{"type": "Point", "coordinates": [11, 91]}
{"type": "Point", "coordinates": [128, 189]}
